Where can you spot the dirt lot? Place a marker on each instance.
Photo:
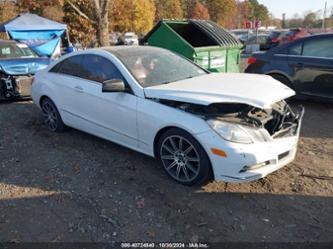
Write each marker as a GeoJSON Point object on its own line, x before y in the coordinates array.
{"type": "Point", "coordinates": [75, 187]}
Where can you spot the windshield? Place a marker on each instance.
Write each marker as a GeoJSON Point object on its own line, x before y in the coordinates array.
{"type": "Point", "coordinates": [153, 67]}
{"type": "Point", "coordinates": [11, 50]}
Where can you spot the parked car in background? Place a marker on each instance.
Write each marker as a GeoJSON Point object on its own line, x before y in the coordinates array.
{"type": "Point", "coordinates": [200, 125]}
{"type": "Point", "coordinates": [130, 38]}
{"type": "Point", "coordinates": [294, 34]}
{"type": "Point", "coordinates": [242, 34]}
{"type": "Point", "coordinates": [275, 38]}
{"type": "Point", "coordinates": [261, 40]}
{"type": "Point", "coordinates": [78, 46]}
{"type": "Point", "coordinates": [306, 65]}
{"type": "Point", "coordinates": [18, 64]}
{"type": "Point", "coordinates": [114, 38]}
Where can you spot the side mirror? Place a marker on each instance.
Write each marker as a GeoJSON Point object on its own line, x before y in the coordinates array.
{"type": "Point", "coordinates": [116, 85]}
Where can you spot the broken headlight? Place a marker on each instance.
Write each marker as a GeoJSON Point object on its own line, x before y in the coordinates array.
{"type": "Point", "coordinates": [230, 132]}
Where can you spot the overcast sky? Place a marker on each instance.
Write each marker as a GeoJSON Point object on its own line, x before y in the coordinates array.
{"type": "Point", "coordinates": [290, 7]}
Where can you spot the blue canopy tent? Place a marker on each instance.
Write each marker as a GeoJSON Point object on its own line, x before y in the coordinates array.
{"type": "Point", "coordinates": [39, 33]}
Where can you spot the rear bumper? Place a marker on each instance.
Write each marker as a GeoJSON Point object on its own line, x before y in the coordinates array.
{"type": "Point", "coordinates": [248, 162]}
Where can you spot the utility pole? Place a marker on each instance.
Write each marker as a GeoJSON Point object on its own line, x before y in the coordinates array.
{"type": "Point", "coordinates": [324, 17]}
{"type": "Point", "coordinates": [284, 20]}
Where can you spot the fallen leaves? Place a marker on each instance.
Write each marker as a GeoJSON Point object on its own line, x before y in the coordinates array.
{"type": "Point", "coordinates": [140, 203]}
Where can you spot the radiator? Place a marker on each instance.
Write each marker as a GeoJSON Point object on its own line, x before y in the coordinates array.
{"type": "Point", "coordinates": [23, 86]}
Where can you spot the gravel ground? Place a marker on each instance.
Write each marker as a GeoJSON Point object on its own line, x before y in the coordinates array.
{"type": "Point", "coordinates": [72, 186]}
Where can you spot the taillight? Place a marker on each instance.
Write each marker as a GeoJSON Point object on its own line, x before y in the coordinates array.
{"type": "Point", "coordinates": [276, 40]}
{"type": "Point", "coordinates": [251, 60]}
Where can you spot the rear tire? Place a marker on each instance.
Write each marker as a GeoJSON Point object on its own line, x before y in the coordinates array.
{"type": "Point", "coordinates": [183, 158]}
{"type": "Point", "coordinates": [51, 116]}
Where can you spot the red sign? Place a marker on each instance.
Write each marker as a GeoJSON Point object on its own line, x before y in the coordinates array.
{"type": "Point", "coordinates": [257, 24]}
{"type": "Point", "coordinates": [248, 24]}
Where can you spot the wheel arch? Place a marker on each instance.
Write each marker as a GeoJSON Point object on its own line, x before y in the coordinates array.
{"type": "Point", "coordinates": [158, 136]}
{"type": "Point", "coordinates": [161, 131]}
{"type": "Point", "coordinates": [279, 73]}
{"type": "Point", "coordinates": [42, 98]}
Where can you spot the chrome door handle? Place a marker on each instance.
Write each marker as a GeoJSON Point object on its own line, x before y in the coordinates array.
{"type": "Point", "coordinates": [78, 89]}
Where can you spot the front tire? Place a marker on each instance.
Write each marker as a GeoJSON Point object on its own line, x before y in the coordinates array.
{"type": "Point", "coordinates": [183, 158]}
{"type": "Point", "coordinates": [51, 116]}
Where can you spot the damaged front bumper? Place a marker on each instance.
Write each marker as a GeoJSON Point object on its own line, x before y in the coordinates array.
{"type": "Point", "coordinates": [248, 162]}
{"type": "Point", "coordinates": [15, 87]}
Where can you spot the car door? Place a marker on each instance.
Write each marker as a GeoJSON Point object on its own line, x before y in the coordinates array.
{"type": "Point", "coordinates": [313, 66]}
{"type": "Point", "coordinates": [108, 115]}
{"type": "Point", "coordinates": [65, 78]}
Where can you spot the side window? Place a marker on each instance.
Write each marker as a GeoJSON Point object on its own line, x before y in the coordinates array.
{"type": "Point", "coordinates": [296, 49]}
{"type": "Point", "coordinates": [100, 69]}
{"type": "Point", "coordinates": [319, 48]}
{"type": "Point", "coordinates": [72, 66]}
{"type": "Point", "coordinates": [56, 68]}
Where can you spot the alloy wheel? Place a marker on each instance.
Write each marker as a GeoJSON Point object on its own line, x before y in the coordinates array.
{"type": "Point", "coordinates": [180, 158]}
{"type": "Point", "coordinates": [50, 115]}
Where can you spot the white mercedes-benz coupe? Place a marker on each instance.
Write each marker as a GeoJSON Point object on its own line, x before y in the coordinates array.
{"type": "Point", "coordinates": [200, 125]}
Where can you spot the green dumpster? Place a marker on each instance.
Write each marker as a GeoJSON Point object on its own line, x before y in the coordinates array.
{"type": "Point", "coordinates": [203, 42]}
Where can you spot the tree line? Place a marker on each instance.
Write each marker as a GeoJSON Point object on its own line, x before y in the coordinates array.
{"type": "Point", "coordinates": [92, 20]}
{"type": "Point", "coordinates": [311, 20]}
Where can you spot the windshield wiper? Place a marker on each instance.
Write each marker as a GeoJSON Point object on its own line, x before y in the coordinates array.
{"type": "Point", "coordinates": [167, 82]}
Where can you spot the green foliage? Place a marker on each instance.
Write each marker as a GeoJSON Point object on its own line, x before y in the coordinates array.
{"type": "Point", "coordinates": [258, 12]}
{"type": "Point", "coordinates": [310, 20]}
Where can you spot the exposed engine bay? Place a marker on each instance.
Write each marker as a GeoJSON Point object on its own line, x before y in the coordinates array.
{"type": "Point", "coordinates": [14, 87]}
{"type": "Point", "coordinates": [279, 121]}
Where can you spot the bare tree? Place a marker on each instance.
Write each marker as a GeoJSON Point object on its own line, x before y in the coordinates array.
{"type": "Point", "coordinates": [100, 19]}
{"type": "Point", "coordinates": [102, 14]}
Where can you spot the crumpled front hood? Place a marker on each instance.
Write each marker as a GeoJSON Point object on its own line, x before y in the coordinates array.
{"type": "Point", "coordinates": [23, 66]}
{"type": "Point", "coordinates": [256, 90]}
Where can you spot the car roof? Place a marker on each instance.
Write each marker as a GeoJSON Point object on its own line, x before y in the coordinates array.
{"type": "Point", "coordinates": [321, 34]}
{"type": "Point", "coordinates": [123, 50]}
{"type": "Point", "coordinates": [287, 45]}
{"type": "Point", "coordinates": [313, 37]}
